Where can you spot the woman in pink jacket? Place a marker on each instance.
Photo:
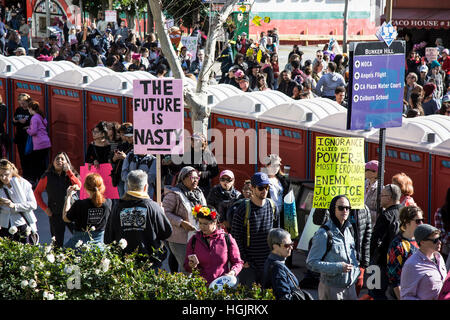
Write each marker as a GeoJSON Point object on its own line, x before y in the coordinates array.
{"type": "Point", "coordinates": [41, 141]}
{"type": "Point", "coordinates": [212, 251]}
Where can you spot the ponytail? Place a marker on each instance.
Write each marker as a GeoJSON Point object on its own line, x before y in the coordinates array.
{"type": "Point", "coordinates": [94, 184]}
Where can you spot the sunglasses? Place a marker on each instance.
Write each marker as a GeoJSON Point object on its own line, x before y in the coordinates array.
{"type": "Point", "coordinates": [435, 241]}
{"type": "Point", "coordinates": [419, 221]}
{"type": "Point", "coordinates": [264, 188]}
{"type": "Point", "coordinates": [226, 179]}
{"type": "Point", "coordinates": [288, 245]}
{"type": "Point", "coordinates": [342, 208]}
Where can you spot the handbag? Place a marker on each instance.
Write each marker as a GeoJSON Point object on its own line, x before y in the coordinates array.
{"type": "Point", "coordinates": [299, 294]}
{"type": "Point", "coordinates": [33, 238]}
{"type": "Point", "coordinates": [29, 145]}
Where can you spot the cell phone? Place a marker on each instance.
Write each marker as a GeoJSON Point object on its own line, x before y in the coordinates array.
{"type": "Point", "coordinates": [193, 258]}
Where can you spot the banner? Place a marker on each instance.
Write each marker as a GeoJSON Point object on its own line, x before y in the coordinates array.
{"type": "Point", "coordinates": [158, 116]}
{"type": "Point", "coordinates": [191, 43]}
{"type": "Point", "coordinates": [431, 54]}
{"type": "Point", "coordinates": [105, 171]}
{"type": "Point", "coordinates": [340, 169]}
{"type": "Point", "coordinates": [110, 15]}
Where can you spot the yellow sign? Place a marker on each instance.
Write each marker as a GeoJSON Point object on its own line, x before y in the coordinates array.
{"type": "Point", "coordinates": [340, 170]}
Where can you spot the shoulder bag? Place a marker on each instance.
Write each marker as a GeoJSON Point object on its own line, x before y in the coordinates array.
{"type": "Point", "coordinates": [33, 238]}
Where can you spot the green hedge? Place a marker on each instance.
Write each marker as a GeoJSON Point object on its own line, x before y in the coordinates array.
{"type": "Point", "coordinates": [45, 272]}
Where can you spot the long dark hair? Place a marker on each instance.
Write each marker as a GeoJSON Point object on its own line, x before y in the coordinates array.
{"type": "Point", "coordinates": [51, 168]}
{"type": "Point", "coordinates": [445, 211]}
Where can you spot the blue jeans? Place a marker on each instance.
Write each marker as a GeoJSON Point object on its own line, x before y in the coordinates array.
{"type": "Point", "coordinates": [96, 237]}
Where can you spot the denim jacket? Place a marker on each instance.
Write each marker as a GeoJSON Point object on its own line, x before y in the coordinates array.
{"type": "Point", "coordinates": [342, 250]}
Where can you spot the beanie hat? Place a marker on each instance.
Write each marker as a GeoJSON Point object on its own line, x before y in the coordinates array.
{"type": "Point", "coordinates": [429, 89]}
{"type": "Point", "coordinates": [423, 231]}
{"type": "Point", "coordinates": [372, 165]}
{"type": "Point", "coordinates": [184, 172]}
{"type": "Point", "coordinates": [434, 64]}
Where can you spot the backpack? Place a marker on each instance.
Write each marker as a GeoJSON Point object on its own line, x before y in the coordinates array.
{"type": "Point", "coordinates": [329, 239]}
{"type": "Point", "coordinates": [247, 216]}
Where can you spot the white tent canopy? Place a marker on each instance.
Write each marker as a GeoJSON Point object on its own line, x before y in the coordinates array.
{"type": "Point", "coordinates": [43, 71]}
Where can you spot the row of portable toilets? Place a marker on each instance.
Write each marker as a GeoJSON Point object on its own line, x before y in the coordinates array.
{"type": "Point", "coordinates": [76, 99]}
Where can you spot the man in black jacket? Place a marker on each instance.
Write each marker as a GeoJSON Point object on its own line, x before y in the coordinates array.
{"type": "Point", "coordinates": [140, 221]}
{"type": "Point", "coordinates": [385, 229]}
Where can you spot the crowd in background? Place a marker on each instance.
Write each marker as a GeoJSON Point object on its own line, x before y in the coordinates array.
{"type": "Point", "coordinates": [216, 228]}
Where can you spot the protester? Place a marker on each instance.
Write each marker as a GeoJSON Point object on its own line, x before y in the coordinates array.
{"type": "Point", "coordinates": [285, 84]}
{"type": "Point", "coordinates": [99, 149]}
{"type": "Point", "coordinates": [277, 276]}
{"type": "Point", "coordinates": [423, 274]}
{"type": "Point", "coordinates": [384, 231]}
{"type": "Point", "coordinates": [246, 193]}
{"type": "Point", "coordinates": [89, 215]}
{"type": "Point", "coordinates": [21, 120]}
{"type": "Point", "coordinates": [329, 82]}
{"type": "Point", "coordinates": [203, 160]}
{"type": "Point", "coordinates": [17, 202]}
{"type": "Point", "coordinates": [41, 142]}
{"type": "Point", "coordinates": [402, 247]}
{"type": "Point", "coordinates": [119, 155]}
{"type": "Point", "coordinates": [139, 221]}
{"type": "Point", "coordinates": [178, 203]}
{"type": "Point", "coordinates": [223, 194]}
{"type": "Point", "coordinates": [216, 252]}
{"type": "Point", "coordinates": [442, 222]}
{"type": "Point", "coordinates": [252, 221]}
{"type": "Point", "coordinates": [338, 267]}
{"type": "Point", "coordinates": [430, 105]}
{"type": "Point", "coordinates": [59, 176]}
{"type": "Point", "coordinates": [144, 162]}
{"type": "Point", "coordinates": [406, 186]}
{"type": "Point", "coordinates": [339, 96]}
{"type": "Point", "coordinates": [371, 185]}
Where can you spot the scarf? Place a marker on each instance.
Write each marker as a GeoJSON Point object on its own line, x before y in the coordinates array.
{"type": "Point", "coordinates": [194, 196]}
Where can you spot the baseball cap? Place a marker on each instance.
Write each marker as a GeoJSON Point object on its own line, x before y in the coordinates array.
{"type": "Point", "coordinates": [445, 51]}
{"type": "Point", "coordinates": [128, 132]}
{"type": "Point", "coordinates": [228, 173]}
{"type": "Point", "coordinates": [372, 165]}
{"type": "Point", "coordinates": [260, 179]}
{"type": "Point", "coordinates": [423, 68]}
{"type": "Point", "coordinates": [423, 231]}
{"type": "Point", "coordinates": [21, 49]}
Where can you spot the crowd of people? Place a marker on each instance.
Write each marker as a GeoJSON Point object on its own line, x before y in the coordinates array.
{"type": "Point", "coordinates": [218, 229]}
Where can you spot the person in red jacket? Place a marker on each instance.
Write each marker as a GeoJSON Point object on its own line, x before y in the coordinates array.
{"type": "Point", "coordinates": [445, 63]}
{"type": "Point", "coordinates": [55, 181]}
{"type": "Point", "coordinates": [213, 252]}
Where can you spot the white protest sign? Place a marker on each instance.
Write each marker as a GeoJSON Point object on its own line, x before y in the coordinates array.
{"type": "Point", "coordinates": [110, 15]}
{"type": "Point", "coordinates": [191, 43]}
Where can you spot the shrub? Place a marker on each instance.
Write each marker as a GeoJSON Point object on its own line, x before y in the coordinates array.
{"type": "Point", "coordinates": [45, 272]}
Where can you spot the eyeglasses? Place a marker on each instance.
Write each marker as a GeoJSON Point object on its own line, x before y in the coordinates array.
{"type": "Point", "coordinates": [262, 188]}
{"type": "Point", "coordinates": [342, 208]}
{"type": "Point", "coordinates": [419, 221]}
{"type": "Point", "coordinates": [194, 178]}
{"type": "Point", "coordinates": [435, 241]}
{"type": "Point", "coordinates": [226, 179]}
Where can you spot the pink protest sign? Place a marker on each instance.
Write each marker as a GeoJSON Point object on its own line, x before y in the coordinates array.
{"type": "Point", "coordinates": [104, 170]}
{"type": "Point", "coordinates": [158, 112]}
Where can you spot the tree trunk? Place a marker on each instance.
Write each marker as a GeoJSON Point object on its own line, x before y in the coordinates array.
{"type": "Point", "coordinates": [198, 100]}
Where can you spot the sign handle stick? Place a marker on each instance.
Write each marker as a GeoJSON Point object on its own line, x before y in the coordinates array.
{"type": "Point", "coordinates": [158, 179]}
{"type": "Point", "coordinates": [381, 159]}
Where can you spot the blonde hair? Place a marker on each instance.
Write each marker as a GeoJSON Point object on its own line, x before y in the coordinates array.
{"type": "Point", "coordinates": [7, 165]}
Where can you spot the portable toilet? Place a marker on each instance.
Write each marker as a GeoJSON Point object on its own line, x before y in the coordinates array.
{"type": "Point", "coordinates": [408, 150]}
{"type": "Point", "coordinates": [234, 120]}
{"type": "Point", "coordinates": [106, 98]}
{"type": "Point", "coordinates": [441, 175]}
{"type": "Point", "coordinates": [291, 122]}
{"type": "Point", "coordinates": [67, 109]}
{"type": "Point", "coordinates": [8, 66]}
{"type": "Point", "coordinates": [32, 79]}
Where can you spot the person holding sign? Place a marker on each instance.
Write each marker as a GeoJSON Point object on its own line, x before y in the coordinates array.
{"type": "Point", "coordinates": [337, 264]}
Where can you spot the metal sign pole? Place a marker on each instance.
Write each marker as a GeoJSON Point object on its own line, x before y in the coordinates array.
{"type": "Point", "coordinates": [381, 159]}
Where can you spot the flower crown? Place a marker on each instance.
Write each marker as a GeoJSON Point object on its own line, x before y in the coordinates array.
{"type": "Point", "coordinates": [205, 211]}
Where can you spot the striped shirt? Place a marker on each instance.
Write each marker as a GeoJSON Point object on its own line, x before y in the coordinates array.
{"type": "Point", "coordinates": [261, 220]}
